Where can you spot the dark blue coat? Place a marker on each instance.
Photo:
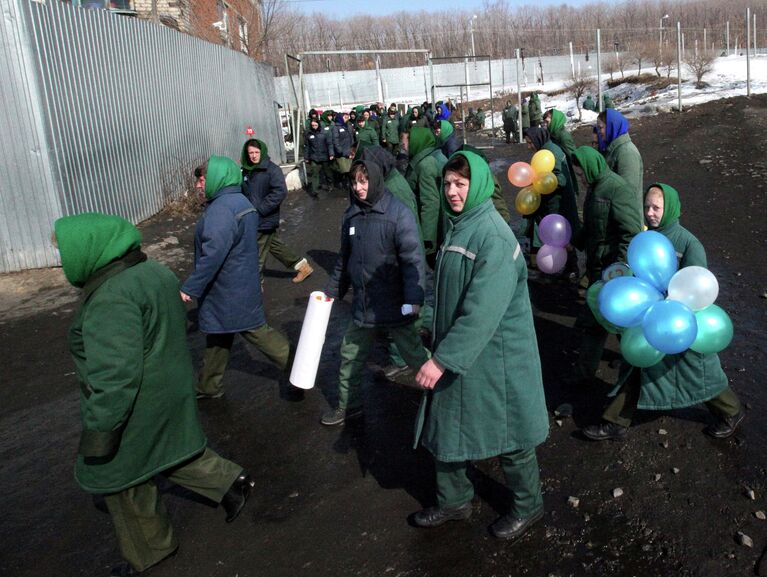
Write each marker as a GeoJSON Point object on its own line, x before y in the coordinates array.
{"type": "Point", "coordinates": [225, 280]}
{"type": "Point", "coordinates": [343, 139]}
{"type": "Point", "coordinates": [450, 145]}
{"type": "Point", "coordinates": [266, 189]}
{"type": "Point", "coordinates": [382, 259]}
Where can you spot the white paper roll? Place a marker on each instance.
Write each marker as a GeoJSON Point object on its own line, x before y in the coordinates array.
{"type": "Point", "coordinates": [309, 350]}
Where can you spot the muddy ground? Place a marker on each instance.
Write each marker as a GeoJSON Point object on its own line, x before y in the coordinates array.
{"type": "Point", "coordinates": [335, 501]}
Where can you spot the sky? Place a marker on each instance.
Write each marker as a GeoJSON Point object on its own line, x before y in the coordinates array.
{"type": "Point", "coordinates": [342, 7]}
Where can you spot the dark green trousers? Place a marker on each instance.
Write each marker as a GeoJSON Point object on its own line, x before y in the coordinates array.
{"type": "Point", "coordinates": [593, 339]}
{"type": "Point", "coordinates": [141, 521]}
{"type": "Point", "coordinates": [269, 242]}
{"type": "Point", "coordinates": [355, 349]}
{"type": "Point", "coordinates": [621, 409]}
{"type": "Point", "coordinates": [522, 478]}
{"type": "Point", "coordinates": [315, 169]}
{"type": "Point", "coordinates": [218, 348]}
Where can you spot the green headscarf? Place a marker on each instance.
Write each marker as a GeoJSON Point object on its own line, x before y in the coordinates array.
{"type": "Point", "coordinates": [481, 184]}
{"type": "Point", "coordinates": [445, 130]}
{"type": "Point", "coordinates": [90, 241]}
{"type": "Point", "coordinates": [245, 159]}
{"type": "Point", "coordinates": [222, 172]}
{"type": "Point", "coordinates": [591, 161]}
{"type": "Point", "coordinates": [557, 122]}
{"type": "Point", "coordinates": [672, 207]}
{"type": "Point", "coordinates": [420, 139]}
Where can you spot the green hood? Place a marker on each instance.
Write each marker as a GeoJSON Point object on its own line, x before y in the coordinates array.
{"type": "Point", "coordinates": [672, 207]}
{"type": "Point", "coordinates": [326, 117]}
{"type": "Point", "coordinates": [90, 241]}
{"type": "Point", "coordinates": [222, 172]}
{"type": "Point", "coordinates": [591, 161]}
{"type": "Point", "coordinates": [481, 187]}
{"type": "Point", "coordinates": [445, 130]}
{"type": "Point", "coordinates": [557, 122]}
{"type": "Point", "coordinates": [359, 109]}
{"type": "Point", "coordinates": [420, 139]}
{"type": "Point", "coordinates": [245, 159]}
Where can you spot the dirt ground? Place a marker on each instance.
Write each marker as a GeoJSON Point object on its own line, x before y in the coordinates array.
{"type": "Point", "coordinates": [336, 501]}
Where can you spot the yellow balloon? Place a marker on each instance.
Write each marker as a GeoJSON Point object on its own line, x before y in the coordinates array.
{"type": "Point", "coordinates": [527, 201]}
{"type": "Point", "coordinates": [545, 183]}
{"type": "Point", "coordinates": [543, 161]}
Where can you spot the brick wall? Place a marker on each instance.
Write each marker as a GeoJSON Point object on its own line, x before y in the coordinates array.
{"type": "Point", "coordinates": [197, 17]}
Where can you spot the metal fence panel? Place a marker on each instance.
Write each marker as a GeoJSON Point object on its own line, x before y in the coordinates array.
{"type": "Point", "coordinates": [125, 109]}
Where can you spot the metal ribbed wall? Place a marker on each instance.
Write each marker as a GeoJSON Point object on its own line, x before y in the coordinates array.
{"type": "Point", "coordinates": [125, 110]}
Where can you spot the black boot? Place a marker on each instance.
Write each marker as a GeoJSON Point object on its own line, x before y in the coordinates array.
{"type": "Point", "coordinates": [237, 495]}
{"type": "Point", "coordinates": [512, 528]}
{"type": "Point", "coordinates": [724, 426]}
{"type": "Point", "coordinates": [436, 516]}
{"type": "Point", "coordinates": [605, 431]}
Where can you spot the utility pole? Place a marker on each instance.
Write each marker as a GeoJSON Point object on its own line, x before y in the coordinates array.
{"type": "Point", "coordinates": [728, 37]}
{"type": "Point", "coordinates": [748, 51]}
{"type": "Point", "coordinates": [599, 70]}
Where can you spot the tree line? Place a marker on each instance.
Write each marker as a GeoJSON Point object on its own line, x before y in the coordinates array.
{"type": "Point", "coordinates": [501, 28]}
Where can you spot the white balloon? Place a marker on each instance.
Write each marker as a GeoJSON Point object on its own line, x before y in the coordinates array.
{"type": "Point", "coordinates": [694, 286]}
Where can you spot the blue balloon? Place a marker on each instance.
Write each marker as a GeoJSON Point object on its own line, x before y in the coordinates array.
{"type": "Point", "coordinates": [670, 327]}
{"type": "Point", "coordinates": [624, 300]}
{"type": "Point", "coordinates": [652, 258]}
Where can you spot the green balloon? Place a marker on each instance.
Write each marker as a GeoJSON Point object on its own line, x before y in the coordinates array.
{"type": "Point", "coordinates": [592, 299]}
{"type": "Point", "coordinates": [714, 330]}
{"type": "Point", "coordinates": [637, 351]}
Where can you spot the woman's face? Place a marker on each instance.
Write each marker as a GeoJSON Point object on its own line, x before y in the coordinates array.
{"type": "Point", "coordinates": [360, 185]}
{"type": "Point", "coordinates": [653, 207]}
{"type": "Point", "coordinates": [602, 128]}
{"type": "Point", "coordinates": [456, 190]}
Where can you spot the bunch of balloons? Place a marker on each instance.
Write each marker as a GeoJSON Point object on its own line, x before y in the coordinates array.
{"type": "Point", "coordinates": [658, 309]}
{"type": "Point", "coordinates": [555, 232]}
{"type": "Point", "coordinates": [535, 179]}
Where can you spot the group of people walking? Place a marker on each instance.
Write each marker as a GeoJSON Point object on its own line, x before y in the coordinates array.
{"type": "Point", "coordinates": [433, 265]}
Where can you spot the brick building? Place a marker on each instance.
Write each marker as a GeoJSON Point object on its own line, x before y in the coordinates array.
{"type": "Point", "coordinates": [233, 23]}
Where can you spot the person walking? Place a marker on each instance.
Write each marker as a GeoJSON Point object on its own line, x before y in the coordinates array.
{"type": "Point", "coordinates": [264, 185]}
{"type": "Point", "coordinates": [139, 415]}
{"type": "Point", "coordinates": [484, 388]}
{"type": "Point", "coordinates": [318, 154]}
{"type": "Point", "coordinates": [677, 381]}
{"type": "Point", "coordinates": [509, 116]}
{"type": "Point", "coordinates": [225, 280]}
{"type": "Point", "coordinates": [621, 154]}
{"type": "Point", "coordinates": [381, 259]}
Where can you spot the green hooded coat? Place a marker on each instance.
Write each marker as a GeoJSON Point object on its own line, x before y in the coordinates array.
{"type": "Point", "coordinates": [128, 342]}
{"type": "Point", "coordinates": [390, 130]}
{"type": "Point", "coordinates": [623, 158]}
{"type": "Point", "coordinates": [611, 217]}
{"type": "Point", "coordinates": [366, 135]}
{"type": "Point", "coordinates": [490, 400]}
{"type": "Point", "coordinates": [424, 175]}
{"type": "Point", "coordinates": [562, 138]}
{"type": "Point", "coordinates": [687, 378]}
{"type": "Point", "coordinates": [536, 113]}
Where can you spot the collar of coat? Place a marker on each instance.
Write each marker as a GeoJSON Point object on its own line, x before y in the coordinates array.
{"type": "Point", "coordinates": [99, 277]}
{"type": "Point", "coordinates": [380, 206]}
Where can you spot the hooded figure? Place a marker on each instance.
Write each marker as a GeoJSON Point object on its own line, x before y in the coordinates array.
{"type": "Point", "coordinates": [621, 154]}
{"type": "Point", "coordinates": [510, 117]}
{"type": "Point", "coordinates": [610, 220]}
{"type": "Point", "coordinates": [562, 138]}
{"type": "Point", "coordinates": [447, 139]}
{"type": "Point", "coordinates": [443, 111]}
{"type": "Point", "coordinates": [485, 391]}
{"type": "Point", "coordinates": [264, 185]}
{"type": "Point", "coordinates": [680, 380]}
{"type": "Point", "coordinates": [226, 280]}
{"type": "Point", "coordinates": [381, 258]}
{"type": "Point", "coordinates": [562, 201]}
{"type": "Point", "coordinates": [589, 104]}
{"type": "Point", "coordinates": [536, 112]}
{"type": "Point", "coordinates": [139, 415]}
{"type": "Point", "coordinates": [498, 200]}
{"type": "Point", "coordinates": [393, 179]}
{"type": "Point", "coordinates": [424, 175]}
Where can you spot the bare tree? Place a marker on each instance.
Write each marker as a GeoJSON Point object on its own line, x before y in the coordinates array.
{"type": "Point", "coordinates": [669, 59]}
{"type": "Point", "coordinates": [699, 65]}
{"type": "Point", "coordinates": [609, 66]}
{"type": "Point", "coordinates": [578, 86]}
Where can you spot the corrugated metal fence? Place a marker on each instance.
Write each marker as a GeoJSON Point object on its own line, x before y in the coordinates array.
{"type": "Point", "coordinates": [107, 113]}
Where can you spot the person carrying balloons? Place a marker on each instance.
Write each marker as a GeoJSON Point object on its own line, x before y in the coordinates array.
{"type": "Point", "coordinates": [484, 386]}
{"type": "Point", "coordinates": [611, 218]}
{"type": "Point", "coordinates": [562, 199]}
{"type": "Point", "coordinates": [673, 381]}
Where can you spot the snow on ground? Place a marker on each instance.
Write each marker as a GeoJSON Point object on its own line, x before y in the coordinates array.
{"type": "Point", "coordinates": [727, 80]}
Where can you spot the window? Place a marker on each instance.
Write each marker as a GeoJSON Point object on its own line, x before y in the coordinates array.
{"type": "Point", "coordinates": [243, 28]}
{"type": "Point", "coordinates": [223, 17]}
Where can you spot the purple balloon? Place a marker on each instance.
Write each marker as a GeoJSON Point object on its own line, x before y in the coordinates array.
{"type": "Point", "coordinates": [554, 230]}
{"type": "Point", "coordinates": [551, 259]}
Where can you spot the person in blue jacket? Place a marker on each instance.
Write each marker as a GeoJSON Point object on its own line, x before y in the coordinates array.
{"type": "Point", "coordinates": [225, 280]}
{"type": "Point", "coordinates": [382, 260]}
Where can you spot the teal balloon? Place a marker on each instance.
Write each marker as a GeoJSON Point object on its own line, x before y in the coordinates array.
{"type": "Point", "coordinates": [670, 326]}
{"type": "Point", "coordinates": [652, 258]}
{"type": "Point", "coordinates": [592, 299]}
{"type": "Point", "coordinates": [714, 330]}
{"type": "Point", "coordinates": [637, 351]}
{"type": "Point", "coordinates": [624, 300]}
